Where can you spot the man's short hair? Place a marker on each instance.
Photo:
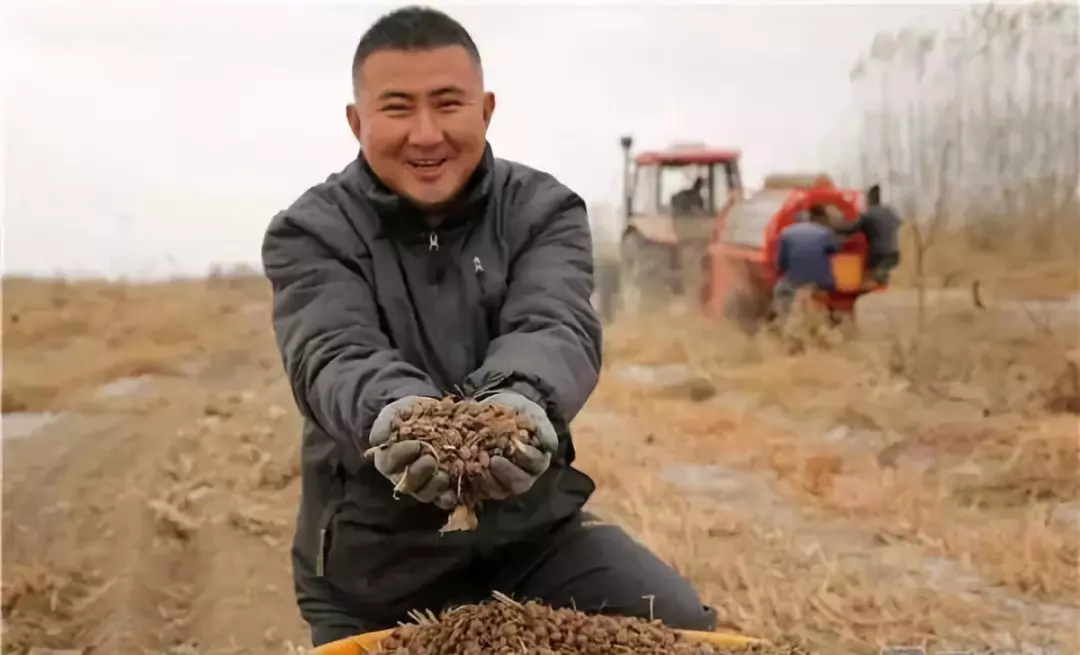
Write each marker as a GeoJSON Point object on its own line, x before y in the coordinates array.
{"type": "Point", "coordinates": [873, 195]}
{"type": "Point", "coordinates": [412, 28]}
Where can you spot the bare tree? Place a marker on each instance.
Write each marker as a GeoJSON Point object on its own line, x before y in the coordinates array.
{"type": "Point", "coordinates": [978, 126]}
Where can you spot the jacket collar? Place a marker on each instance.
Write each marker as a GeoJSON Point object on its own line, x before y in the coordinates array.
{"type": "Point", "coordinates": [399, 218]}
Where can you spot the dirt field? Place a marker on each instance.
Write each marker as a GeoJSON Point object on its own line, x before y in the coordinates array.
{"type": "Point", "coordinates": [914, 487]}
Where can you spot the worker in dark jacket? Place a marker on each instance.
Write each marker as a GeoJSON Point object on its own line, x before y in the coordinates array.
{"type": "Point", "coordinates": [803, 259]}
{"type": "Point", "coordinates": [426, 267]}
{"type": "Point", "coordinates": [689, 202]}
{"type": "Point", "coordinates": [880, 224]}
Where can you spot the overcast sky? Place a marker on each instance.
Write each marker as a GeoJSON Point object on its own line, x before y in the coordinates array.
{"type": "Point", "coordinates": [144, 139]}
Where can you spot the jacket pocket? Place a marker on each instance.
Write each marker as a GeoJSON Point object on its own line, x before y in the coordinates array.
{"type": "Point", "coordinates": [326, 537]}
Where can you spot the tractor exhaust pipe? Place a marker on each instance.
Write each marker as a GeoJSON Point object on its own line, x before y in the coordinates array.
{"type": "Point", "coordinates": [627, 142]}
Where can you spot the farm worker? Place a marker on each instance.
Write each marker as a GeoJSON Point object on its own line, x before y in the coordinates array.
{"type": "Point", "coordinates": [803, 259]}
{"type": "Point", "coordinates": [428, 266]}
{"type": "Point", "coordinates": [880, 224]}
{"type": "Point", "coordinates": [689, 201]}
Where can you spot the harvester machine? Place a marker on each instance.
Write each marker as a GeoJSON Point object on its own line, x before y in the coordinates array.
{"type": "Point", "coordinates": [690, 230]}
{"type": "Point", "coordinates": [742, 254]}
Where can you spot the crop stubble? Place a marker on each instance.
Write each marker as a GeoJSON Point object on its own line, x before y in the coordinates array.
{"type": "Point", "coordinates": [463, 436]}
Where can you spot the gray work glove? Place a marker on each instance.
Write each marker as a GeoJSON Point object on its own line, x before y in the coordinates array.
{"type": "Point", "coordinates": [516, 475]}
{"type": "Point", "coordinates": [408, 464]}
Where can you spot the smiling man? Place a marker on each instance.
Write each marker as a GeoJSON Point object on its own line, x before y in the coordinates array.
{"type": "Point", "coordinates": [428, 266]}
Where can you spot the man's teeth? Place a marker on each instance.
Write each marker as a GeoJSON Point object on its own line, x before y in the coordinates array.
{"type": "Point", "coordinates": [427, 162]}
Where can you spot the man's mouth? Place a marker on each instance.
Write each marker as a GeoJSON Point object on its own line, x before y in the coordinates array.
{"type": "Point", "coordinates": [426, 165]}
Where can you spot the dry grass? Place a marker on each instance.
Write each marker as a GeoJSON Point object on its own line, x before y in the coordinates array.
{"type": "Point", "coordinates": [62, 339]}
{"type": "Point", "coordinates": [935, 509]}
{"type": "Point", "coordinates": [1014, 262]}
{"type": "Point", "coordinates": [33, 597]}
{"type": "Point", "coordinates": [764, 583]}
{"type": "Point", "coordinates": [961, 355]}
{"type": "Point", "coordinates": [777, 583]}
{"type": "Point", "coordinates": [983, 502]}
{"type": "Point", "coordinates": [982, 408]}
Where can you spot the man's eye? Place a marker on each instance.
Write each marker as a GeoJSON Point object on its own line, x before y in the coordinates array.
{"type": "Point", "coordinates": [395, 109]}
{"type": "Point", "coordinates": [449, 104]}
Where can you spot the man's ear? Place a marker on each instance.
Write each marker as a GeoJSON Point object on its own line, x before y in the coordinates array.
{"type": "Point", "coordinates": [353, 116]}
{"type": "Point", "coordinates": [489, 107]}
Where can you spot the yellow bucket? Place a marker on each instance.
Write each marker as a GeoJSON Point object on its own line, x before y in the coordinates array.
{"type": "Point", "coordinates": [847, 270]}
{"type": "Point", "coordinates": [368, 642]}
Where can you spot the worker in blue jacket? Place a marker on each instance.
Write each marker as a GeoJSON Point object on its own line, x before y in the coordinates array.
{"type": "Point", "coordinates": [803, 259]}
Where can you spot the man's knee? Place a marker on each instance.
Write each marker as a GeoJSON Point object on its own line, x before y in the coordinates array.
{"type": "Point", "coordinates": [325, 633]}
{"type": "Point", "coordinates": [660, 592]}
{"type": "Point", "coordinates": [674, 601]}
{"type": "Point", "coordinates": [686, 613]}
{"type": "Point", "coordinates": [327, 622]}
{"type": "Point", "coordinates": [701, 618]}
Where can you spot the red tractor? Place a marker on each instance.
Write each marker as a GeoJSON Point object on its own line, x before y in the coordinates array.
{"type": "Point", "coordinates": [671, 202]}
{"type": "Point", "coordinates": [690, 230]}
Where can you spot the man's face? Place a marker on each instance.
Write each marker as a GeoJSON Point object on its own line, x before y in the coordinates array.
{"type": "Point", "coordinates": [421, 118]}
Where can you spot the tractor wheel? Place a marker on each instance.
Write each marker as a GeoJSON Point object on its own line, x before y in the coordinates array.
{"type": "Point", "coordinates": [647, 277]}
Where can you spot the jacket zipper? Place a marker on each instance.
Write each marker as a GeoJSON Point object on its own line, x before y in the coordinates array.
{"type": "Point", "coordinates": [433, 241]}
{"type": "Point", "coordinates": [320, 559]}
{"type": "Point", "coordinates": [326, 522]}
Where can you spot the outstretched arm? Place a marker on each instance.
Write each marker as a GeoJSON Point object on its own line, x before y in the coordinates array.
{"type": "Point", "coordinates": [851, 227]}
{"type": "Point", "coordinates": [549, 348]}
{"type": "Point", "coordinates": [340, 364]}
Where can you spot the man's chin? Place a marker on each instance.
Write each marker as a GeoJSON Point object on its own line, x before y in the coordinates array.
{"type": "Point", "coordinates": [429, 200]}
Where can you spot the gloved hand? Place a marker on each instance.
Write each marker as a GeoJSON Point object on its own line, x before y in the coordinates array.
{"type": "Point", "coordinates": [516, 475]}
{"type": "Point", "coordinates": [412, 470]}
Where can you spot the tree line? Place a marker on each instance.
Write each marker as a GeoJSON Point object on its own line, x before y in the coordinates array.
{"type": "Point", "coordinates": [977, 125]}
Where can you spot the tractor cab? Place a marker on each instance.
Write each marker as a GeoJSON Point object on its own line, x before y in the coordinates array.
{"type": "Point", "coordinates": [685, 181]}
{"type": "Point", "coordinates": [671, 201]}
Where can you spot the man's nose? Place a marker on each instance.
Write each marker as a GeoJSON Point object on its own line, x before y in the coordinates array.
{"type": "Point", "coordinates": [426, 131]}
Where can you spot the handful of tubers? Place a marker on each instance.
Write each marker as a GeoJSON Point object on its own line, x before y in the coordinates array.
{"type": "Point", "coordinates": [505, 626]}
{"type": "Point", "coordinates": [463, 436]}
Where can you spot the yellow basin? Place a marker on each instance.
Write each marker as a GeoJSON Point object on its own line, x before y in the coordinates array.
{"type": "Point", "coordinates": [370, 641]}
{"type": "Point", "coordinates": [847, 270]}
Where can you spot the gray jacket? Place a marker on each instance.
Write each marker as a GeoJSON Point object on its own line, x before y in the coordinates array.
{"type": "Point", "coordinates": [371, 305]}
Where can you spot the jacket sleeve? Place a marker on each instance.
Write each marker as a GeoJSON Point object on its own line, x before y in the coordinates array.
{"type": "Point", "coordinates": [549, 343]}
{"type": "Point", "coordinates": [341, 365]}
{"type": "Point", "coordinates": [852, 227]}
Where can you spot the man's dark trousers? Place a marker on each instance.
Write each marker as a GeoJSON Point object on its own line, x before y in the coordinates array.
{"type": "Point", "coordinates": [582, 563]}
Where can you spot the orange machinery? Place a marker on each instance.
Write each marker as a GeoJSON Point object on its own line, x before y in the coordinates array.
{"type": "Point", "coordinates": [741, 260]}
